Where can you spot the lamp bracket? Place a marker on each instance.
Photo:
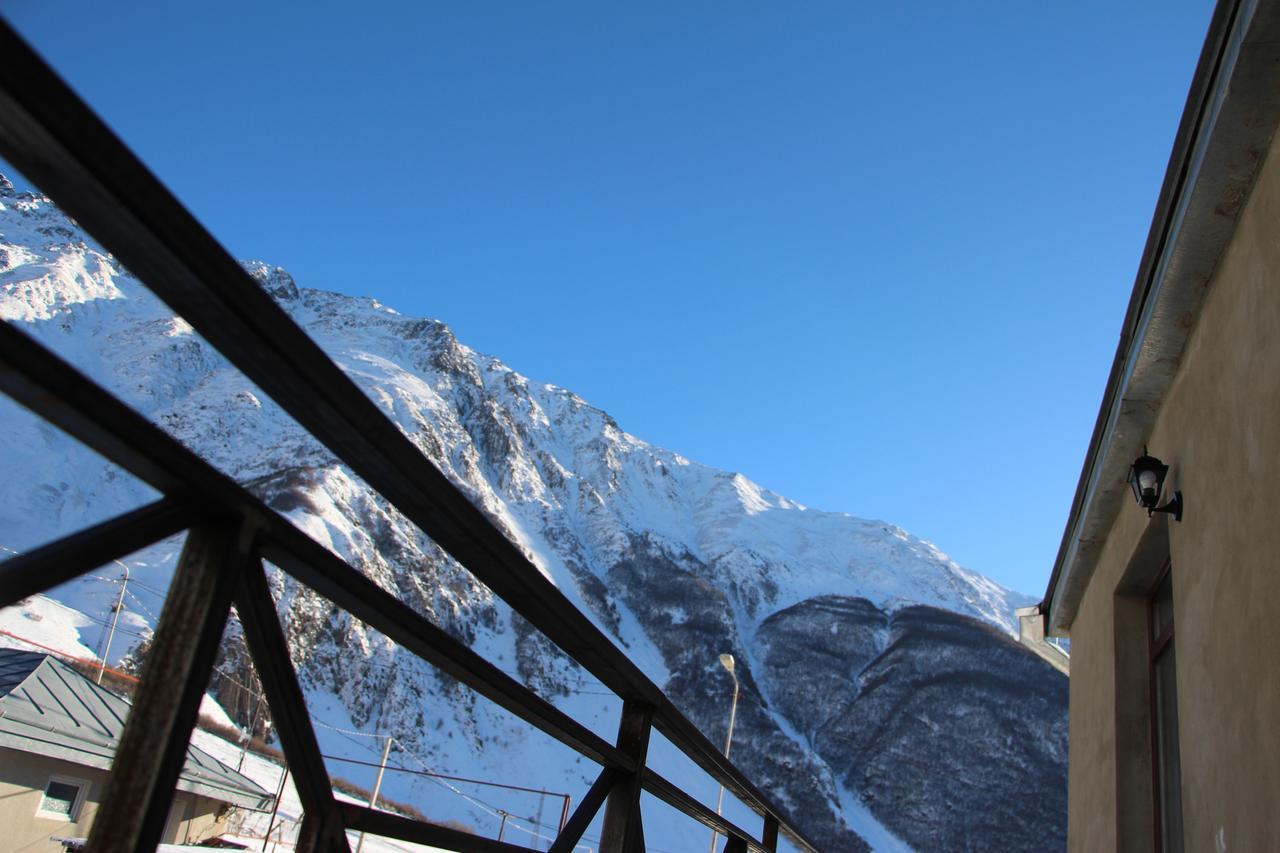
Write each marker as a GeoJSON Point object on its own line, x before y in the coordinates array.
{"type": "Point", "coordinates": [1173, 507]}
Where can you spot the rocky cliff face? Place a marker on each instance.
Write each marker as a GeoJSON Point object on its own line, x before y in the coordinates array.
{"type": "Point", "coordinates": [882, 701]}
{"type": "Point", "coordinates": [956, 700]}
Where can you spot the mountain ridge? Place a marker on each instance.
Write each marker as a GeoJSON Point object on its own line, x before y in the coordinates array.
{"type": "Point", "coordinates": [676, 561]}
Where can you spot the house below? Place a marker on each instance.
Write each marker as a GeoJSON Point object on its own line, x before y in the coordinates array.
{"type": "Point", "coordinates": [58, 737]}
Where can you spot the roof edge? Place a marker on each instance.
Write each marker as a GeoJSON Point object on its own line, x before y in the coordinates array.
{"type": "Point", "coordinates": [1226, 127]}
{"type": "Point", "coordinates": [95, 748]}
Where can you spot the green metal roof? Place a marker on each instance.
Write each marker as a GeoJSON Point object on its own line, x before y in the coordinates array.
{"type": "Point", "coordinates": [48, 708]}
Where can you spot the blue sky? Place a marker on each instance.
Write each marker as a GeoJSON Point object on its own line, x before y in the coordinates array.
{"type": "Point", "coordinates": [873, 256]}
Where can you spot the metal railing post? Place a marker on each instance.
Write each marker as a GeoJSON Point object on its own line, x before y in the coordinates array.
{"type": "Point", "coordinates": [769, 840]}
{"type": "Point", "coordinates": [322, 827]}
{"type": "Point", "coordinates": [623, 828]}
{"type": "Point", "coordinates": [153, 746]}
{"type": "Point", "coordinates": [57, 141]}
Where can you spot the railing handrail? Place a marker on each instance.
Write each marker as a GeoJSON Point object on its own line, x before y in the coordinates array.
{"type": "Point", "coordinates": [48, 132]}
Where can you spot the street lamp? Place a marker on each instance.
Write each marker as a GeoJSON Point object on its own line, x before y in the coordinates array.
{"type": "Point", "coordinates": [726, 660]}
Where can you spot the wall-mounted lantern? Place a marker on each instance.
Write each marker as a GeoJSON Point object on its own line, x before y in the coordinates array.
{"type": "Point", "coordinates": [1146, 476]}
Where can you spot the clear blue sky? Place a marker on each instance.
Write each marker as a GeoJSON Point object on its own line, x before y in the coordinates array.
{"type": "Point", "coordinates": [873, 256]}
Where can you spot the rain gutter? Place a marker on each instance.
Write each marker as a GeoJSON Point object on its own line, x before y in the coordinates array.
{"type": "Point", "coordinates": [1225, 132]}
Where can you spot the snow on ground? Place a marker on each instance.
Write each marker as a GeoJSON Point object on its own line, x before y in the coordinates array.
{"type": "Point", "coordinates": [210, 710]}
{"type": "Point", "coordinates": [251, 827]}
{"type": "Point", "coordinates": [41, 624]}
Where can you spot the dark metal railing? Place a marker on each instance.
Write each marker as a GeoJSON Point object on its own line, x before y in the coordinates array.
{"type": "Point", "coordinates": [48, 133]}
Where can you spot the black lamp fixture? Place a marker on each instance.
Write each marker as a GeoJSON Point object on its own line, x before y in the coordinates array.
{"type": "Point", "coordinates": [1146, 476]}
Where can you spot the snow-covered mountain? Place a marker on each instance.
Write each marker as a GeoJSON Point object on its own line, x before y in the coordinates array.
{"type": "Point", "coordinates": [883, 698]}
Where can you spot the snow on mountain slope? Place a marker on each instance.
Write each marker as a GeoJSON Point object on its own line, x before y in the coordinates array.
{"type": "Point", "coordinates": [556, 452]}
{"type": "Point", "coordinates": [677, 561]}
{"type": "Point", "coordinates": [43, 624]}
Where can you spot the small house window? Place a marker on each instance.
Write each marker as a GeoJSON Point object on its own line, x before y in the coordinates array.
{"type": "Point", "coordinates": [62, 798]}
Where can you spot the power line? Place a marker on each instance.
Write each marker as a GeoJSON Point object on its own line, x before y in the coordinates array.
{"type": "Point", "coordinates": [489, 808]}
{"type": "Point", "coordinates": [580, 677]}
{"type": "Point", "coordinates": [440, 779]}
{"type": "Point", "coordinates": [154, 618]}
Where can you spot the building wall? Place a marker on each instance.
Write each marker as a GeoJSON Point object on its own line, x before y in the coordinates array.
{"type": "Point", "coordinates": [201, 818]}
{"type": "Point", "coordinates": [1219, 430]}
{"type": "Point", "coordinates": [23, 776]}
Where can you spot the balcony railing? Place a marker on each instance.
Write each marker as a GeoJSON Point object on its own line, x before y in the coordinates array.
{"type": "Point", "coordinates": [48, 133]}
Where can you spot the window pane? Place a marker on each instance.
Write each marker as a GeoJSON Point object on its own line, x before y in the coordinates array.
{"type": "Point", "coordinates": [59, 797]}
{"type": "Point", "coordinates": [1169, 767]}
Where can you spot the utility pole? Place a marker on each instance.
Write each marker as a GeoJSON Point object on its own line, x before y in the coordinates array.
{"type": "Point", "coordinates": [377, 785]}
{"type": "Point", "coordinates": [726, 660]}
{"type": "Point", "coordinates": [115, 617]}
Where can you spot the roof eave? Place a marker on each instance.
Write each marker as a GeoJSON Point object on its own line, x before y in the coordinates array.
{"type": "Point", "coordinates": [1226, 129]}
{"type": "Point", "coordinates": [234, 796]}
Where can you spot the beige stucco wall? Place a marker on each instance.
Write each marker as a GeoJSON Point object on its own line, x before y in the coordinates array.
{"type": "Point", "coordinates": [23, 777]}
{"type": "Point", "coordinates": [201, 818]}
{"type": "Point", "coordinates": [1219, 430]}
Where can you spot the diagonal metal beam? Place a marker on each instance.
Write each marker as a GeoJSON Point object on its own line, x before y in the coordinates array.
{"type": "Point", "coordinates": [623, 829]}
{"type": "Point", "coordinates": [309, 835]}
{"type": "Point", "coordinates": [288, 708]}
{"type": "Point", "coordinates": [769, 839]}
{"type": "Point", "coordinates": [677, 798]}
{"type": "Point", "coordinates": [58, 392]}
{"type": "Point", "coordinates": [568, 838]}
{"type": "Point", "coordinates": [71, 556]}
{"type": "Point", "coordinates": [153, 746]}
{"type": "Point", "coordinates": [326, 573]}
{"type": "Point", "coordinates": [62, 395]}
{"type": "Point", "coordinates": [364, 819]}
{"type": "Point", "coordinates": [57, 141]}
